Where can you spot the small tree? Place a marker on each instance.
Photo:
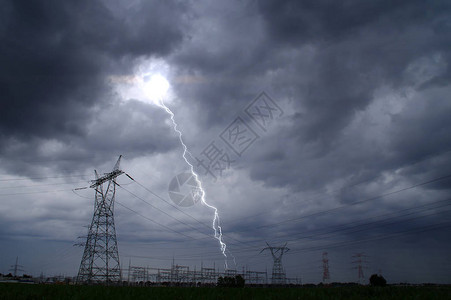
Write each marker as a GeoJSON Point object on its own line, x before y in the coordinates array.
{"type": "Point", "coordinates": [228, 281]}
{"type": "Point", "coordinates": [377, 280]}
{"type": "Point", "coordinates": [220, 281]}
{"type": "Point", "coordinates": [239, 280]}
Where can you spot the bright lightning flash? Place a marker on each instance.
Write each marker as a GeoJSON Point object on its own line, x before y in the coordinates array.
{"type": "Point", "coordinates": [155, 87]}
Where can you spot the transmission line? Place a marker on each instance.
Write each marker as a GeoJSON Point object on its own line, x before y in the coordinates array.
{"type": "Point", "coordinates": [169, 203]}
{"type": "Point", "coordinates": [353, 203]}
{"type": "Point", "coordinates": [153, 221]}
{"type": "Point", "coordinates": [47, 177]}
{"type": "Point", "coordinates": [364, 224]}
{"type": "Point", "coordinates": [38, 185]}
{"type": "Point", "coordinates": [38, 192]}
{"type": "Point", "coordinates": [163, 212]}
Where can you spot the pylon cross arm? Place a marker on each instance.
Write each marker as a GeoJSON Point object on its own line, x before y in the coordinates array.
{"type": "Point", "coordinates": [105, 178]}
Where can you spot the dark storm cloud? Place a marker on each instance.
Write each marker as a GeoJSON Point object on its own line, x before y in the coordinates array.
{"type": "Point", "coordinates": [334, 68]}
{"type": "Point", "coordinates": [365, 93]}
{"type": "Point", "coordinates": [138, 130]}
{"type": "Point", "coordinates": [358, 50]}
{"type": "Point", "coordinates": [360, 47]}
{"type": "Point", "coordinates": [423, 129]}
{"type": "Point", "coordinates": [295, 22]}
{"type": "Point", "coordinates": [55, 57]}
{"type": "Point", "coordinates": [329, 58]}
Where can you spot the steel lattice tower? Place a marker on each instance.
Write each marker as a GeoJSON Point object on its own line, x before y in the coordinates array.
{"type": "Point", "coordinates": [16, 267]}
{"type": "Point", "coordinates": [100, 261]}
{"type": "Point", "coordinates": [359, 261]}
{"type": "Point", "coordinates": [326, 275]}
{"type": "Point", "coordinates": [278, 273]}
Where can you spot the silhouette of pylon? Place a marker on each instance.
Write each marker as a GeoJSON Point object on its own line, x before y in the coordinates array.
{"type": "Point", "coordinates": [100, 261]}
{"type": "Point", "coordinates": [360, 266]}
{"type": "Point", "coordinates": [326, 275]}
{"type": "Point", "coordinates": [278, 273]}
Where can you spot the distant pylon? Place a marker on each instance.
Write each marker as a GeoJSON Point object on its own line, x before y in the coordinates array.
{"type": "Point", "coordinates": [16, 267]}
{"type": "Point", "coordinates": [100, 261]}
{"type": "Point", "coordinates": [278, 273]}
{"type": "Point", "coordinates": [359, 261]}
{"type": "Point", "coordinates": [326, 275]}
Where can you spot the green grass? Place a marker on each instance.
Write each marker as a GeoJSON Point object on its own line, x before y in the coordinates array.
{"type": "Point", "coordinates": [29, 292]}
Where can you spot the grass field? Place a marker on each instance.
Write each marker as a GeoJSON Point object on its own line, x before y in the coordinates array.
{"type": "Point", "coordinates": [29, 292]}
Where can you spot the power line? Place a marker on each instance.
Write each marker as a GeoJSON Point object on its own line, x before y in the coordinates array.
{"type": "Point", "coordinates": [379, 237]}
{"type": "Point", "coordinates": [237, 240]}
{"type": "Point", "coordinates": [184, 223]}
{"type": "Point", "coordinates": [426, 206]}
{"type": "Point", "coordinates": [167, 202]}
{"type": "Point", "coordinates": [65, 190]}
{"type": "Point", "coordinates": [252, 248]}
{"type": "Point", "coordinates": [341, 244]}
{"type": "Point", "coordinates": [30, 193]}
{"type": "Point", "coordinates": [368, 223]}
{"type": "Point", "coordinates": [47, 177]}
{"type": "Point", "coordinates": [39, 185]}
{"type": "Point", "coordinates": [153, 221]}
{"type": "Point", "coordinates": [163, 212]}
{"type": "Point", "coordinates": [203, 254]}
{"type": "Point", "coordinates": [347, 228]}
{"type": "Point", "coordinates": [322, 212]}
{"type": "Point", "coordinates": [159, 258]}
{"type": "Point", "coordinates": [357, 202]}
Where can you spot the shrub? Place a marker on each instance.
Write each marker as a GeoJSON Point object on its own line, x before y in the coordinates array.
{"type": "Point", "coordinates": [228, 281]}
{"type": "Point", "coordinates": [377, 280]}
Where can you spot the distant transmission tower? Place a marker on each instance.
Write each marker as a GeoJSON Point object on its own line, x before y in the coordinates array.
{"type": "Point", "coordinates": [16, 267]}
{"type": "Point", "coordinates": [326, 275]}
{"type": "Point", "coordinates": [278, 273]}
{"type": "Point", "coordinates": [359, 261]}
{"type": "Point", "coordinates": [100, 261]}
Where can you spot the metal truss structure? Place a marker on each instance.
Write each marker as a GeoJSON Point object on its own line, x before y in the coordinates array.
{"type": "Point", "coordinates": [326, 274]}
{"type": "Point", "coordinates": [100, 261]}
{"type": "Point", "coordinates": [278, 273]}
{"type": "Point", "coordinates": [182, 275]}
{"type": "Point", "coordinates": [360, 266]}
{"type": "Point", "coordinates": [16, 267]}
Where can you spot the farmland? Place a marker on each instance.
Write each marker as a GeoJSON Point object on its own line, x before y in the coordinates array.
{"type": "Point", "coordinates": [30, 291]}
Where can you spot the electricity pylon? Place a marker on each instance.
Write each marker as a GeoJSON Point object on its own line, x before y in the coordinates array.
{"type": "Point", "coordinates": [278, 273]}
{"type": "Point", "coordinates": [360, 265]}
{"type": "Point", "coordinates": [16, 267]}
{"type": "Point", "coordinates": [326, 275]}
{"type": "Point", "coordinates": [100, 261]}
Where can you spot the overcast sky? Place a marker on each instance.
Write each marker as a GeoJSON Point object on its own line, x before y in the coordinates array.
{"type": "Point", "coordinates": [328, 123]}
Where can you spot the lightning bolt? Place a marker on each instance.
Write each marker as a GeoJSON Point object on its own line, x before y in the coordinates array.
{"type": "Point", "coordinates": [216, 225]}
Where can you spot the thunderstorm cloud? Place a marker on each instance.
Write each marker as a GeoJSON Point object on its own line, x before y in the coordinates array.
{"type": "Point", "coordinates": [355, 156]}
